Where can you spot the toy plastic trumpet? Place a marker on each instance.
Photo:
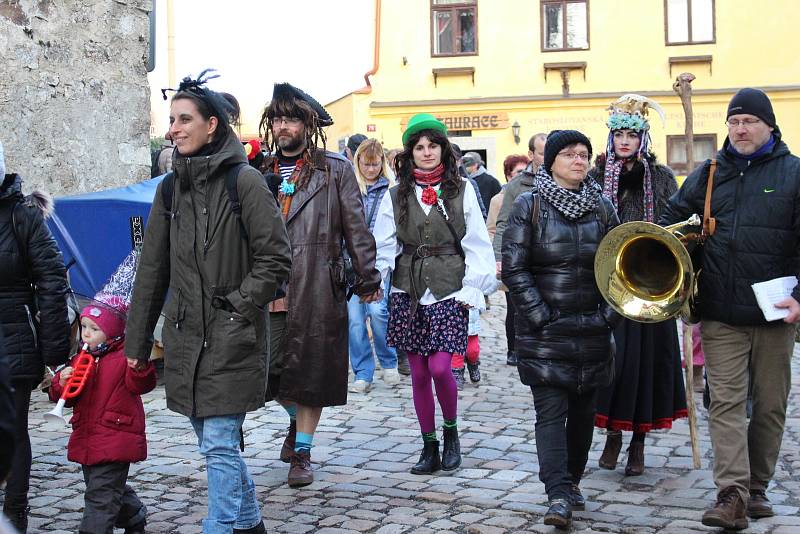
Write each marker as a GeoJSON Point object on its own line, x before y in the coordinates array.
{"type": "Point", "coordinates": [73, 387]}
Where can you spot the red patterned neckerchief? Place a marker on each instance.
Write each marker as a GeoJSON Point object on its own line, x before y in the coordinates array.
{"type": "Point", "coordinates": [285, 198]}
{"type": "Point", "coordinates": [431, 177]}
{"type": "Point", "coordinates": [428, 179]}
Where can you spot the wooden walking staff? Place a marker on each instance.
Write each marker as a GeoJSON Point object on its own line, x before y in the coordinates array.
{"type": "Point", "coordinates": [683, 87]}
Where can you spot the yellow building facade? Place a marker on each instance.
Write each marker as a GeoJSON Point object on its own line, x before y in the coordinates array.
{"type": "Point", "coordinates": [488, 66]}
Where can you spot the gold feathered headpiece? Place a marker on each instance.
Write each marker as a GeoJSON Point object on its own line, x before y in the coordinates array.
{"type": "Point", "coordinates": [629, 112]}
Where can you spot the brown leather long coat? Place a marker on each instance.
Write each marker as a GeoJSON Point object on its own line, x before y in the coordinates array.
{"type": "Point", "coordinates": [325, 213]}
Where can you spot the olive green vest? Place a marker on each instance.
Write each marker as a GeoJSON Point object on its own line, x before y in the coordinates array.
{"type": "Point", "coordinates": [442, 274]}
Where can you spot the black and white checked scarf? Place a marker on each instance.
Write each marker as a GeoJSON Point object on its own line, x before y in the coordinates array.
{"type": "Point", "coordinates": [572, 205]}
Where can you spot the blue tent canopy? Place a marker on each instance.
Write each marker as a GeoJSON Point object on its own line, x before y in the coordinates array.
{"type": "Point", "coordinates": [97, 230]}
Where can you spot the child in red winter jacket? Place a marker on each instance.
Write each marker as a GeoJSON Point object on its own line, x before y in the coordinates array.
{"type": "Point", "coordinates": [108, 423]}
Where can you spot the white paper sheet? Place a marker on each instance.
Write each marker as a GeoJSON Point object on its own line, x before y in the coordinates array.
{"type": "Point", "coordinates": [772, 291]}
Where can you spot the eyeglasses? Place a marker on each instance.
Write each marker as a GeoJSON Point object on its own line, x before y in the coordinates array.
{"type": "Point", "coordinates": [582, 156]}
{"type": "Point", "coordinates": [291, 121]}
{"type": "Point", "coordinates": [747, 123]}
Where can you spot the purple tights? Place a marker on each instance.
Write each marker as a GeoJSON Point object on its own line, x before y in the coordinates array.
{"type": "Point", "coordinates": [435, 366]}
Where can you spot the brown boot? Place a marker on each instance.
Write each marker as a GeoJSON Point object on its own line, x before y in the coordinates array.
{"type": "Point", "coordinates": [300, 473]}
{"type": "Point", "coordinates": [287, 450]}
{"type": "Point", "coordinates": [402, 363]}
{"type": "Point", "coordinates": [635, 465]}
{"type": "Point", "coordinates": [758, 505]}
{"type": "Point", "coordinates": [728, 512]}
{"type": "Point", "coordinates": [697, 378]}
{"type": "Point", "coordinates": [608, 460]}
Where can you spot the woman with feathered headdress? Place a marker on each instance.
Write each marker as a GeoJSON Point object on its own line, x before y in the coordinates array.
{"type": "Point", "coordinates": [648, 391]}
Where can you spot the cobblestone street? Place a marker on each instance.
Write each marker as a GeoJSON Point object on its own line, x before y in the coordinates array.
{"type": "Point", "coordinates": [363, 451]}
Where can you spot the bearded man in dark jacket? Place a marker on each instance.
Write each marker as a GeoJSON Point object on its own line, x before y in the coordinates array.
{"type": "Point", "coordinates": [756, 203]}
{"type": "Point", "coordinates": [33, 314]}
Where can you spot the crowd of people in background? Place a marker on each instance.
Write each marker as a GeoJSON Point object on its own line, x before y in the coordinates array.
{"type": "Point", "coordinates": [263, 255]}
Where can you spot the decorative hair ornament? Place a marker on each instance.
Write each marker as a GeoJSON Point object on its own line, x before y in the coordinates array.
{"type": "Point", "coordinates": [193, 86]}
{"type": "Point", "coordinates": [629, 112]}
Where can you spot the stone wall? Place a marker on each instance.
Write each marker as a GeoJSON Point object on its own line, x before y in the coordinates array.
{"type": "Point", "coordinates": [74, 99]}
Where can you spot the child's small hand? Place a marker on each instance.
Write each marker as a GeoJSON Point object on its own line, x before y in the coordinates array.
{"type": "Point", "coordinates": [66, 372]}
{"type": "Point", "coordinates": [136, 365]}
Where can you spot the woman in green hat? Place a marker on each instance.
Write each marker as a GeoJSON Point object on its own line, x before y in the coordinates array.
{"type": "Point", "coordinates": [431, 234]}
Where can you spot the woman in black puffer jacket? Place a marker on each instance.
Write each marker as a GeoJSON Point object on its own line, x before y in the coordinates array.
{"type": "Point", "coordinates": [563, 325]}
{"type": "Point", "coordinates": [29, 257]}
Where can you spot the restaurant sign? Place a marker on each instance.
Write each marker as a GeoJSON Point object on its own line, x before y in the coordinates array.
{"type": "Point", "coordinates": [483, 120]}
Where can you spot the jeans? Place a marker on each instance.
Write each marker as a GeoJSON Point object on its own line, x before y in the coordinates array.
{"type": "Point", "coordinates": [231, 493]}
{"type": "Point", "coordinates": [745, 453]}
{"type": "Point", "coordinates": [564, 428]}
{"type": "Point", "coordinates": [361, 359]}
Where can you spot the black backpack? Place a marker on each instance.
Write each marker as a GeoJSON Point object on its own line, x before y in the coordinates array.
{"type": "Point", "coordinates": [231, 179]}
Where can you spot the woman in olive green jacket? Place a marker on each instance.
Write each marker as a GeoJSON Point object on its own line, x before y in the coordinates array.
{"type": "Point", "coordinates": [221, 269]}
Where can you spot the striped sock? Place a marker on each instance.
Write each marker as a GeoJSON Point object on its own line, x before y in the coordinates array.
{"type": "Point", "coordinates": [429, 436]}
{"type": "Point", "coordinates": [450, 423]}
{"type": "Point", "coordinates": [303, 442]}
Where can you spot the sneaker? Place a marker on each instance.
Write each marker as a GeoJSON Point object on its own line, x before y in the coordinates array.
{"type": "Point", "coordinates": [474, 372]}
{"type": "Point", "coordinates": [360, 386]}
{"type": "Point", "coordinates": [258, 529]}
{"type": "Point", "coordinates": [458, 374]}
{"type": "Point", "coordinates": [391, 377]}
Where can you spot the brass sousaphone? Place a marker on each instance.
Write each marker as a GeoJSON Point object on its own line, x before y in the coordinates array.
{"type": "Point", "coordinates": [645, 272]}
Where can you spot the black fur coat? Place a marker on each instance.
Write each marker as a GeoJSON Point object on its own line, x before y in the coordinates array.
{"type": "Point", "coordinates": [630, 205]}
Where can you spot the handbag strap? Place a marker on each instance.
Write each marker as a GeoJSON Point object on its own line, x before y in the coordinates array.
{"type": "Point", "coordinates": [456, 241]}
{"type": "Point", "coordinates": [709, 222]}
{"type": "Point", "coordinates": [372, 211]}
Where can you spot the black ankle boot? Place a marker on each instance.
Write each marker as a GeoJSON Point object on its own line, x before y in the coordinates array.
{"type": "Point", "coordinates": [429, 461]}
{"type": "Point", "coordinates": [451, 453]}
{"type": "Point", "coordinates": [138, 528]}
{"type": "Point", "coordinates": [16, 510]}
{"type": "Point", "coordinates": [474, 372]}
{"type": "Point", "coordinates": [559, 514]}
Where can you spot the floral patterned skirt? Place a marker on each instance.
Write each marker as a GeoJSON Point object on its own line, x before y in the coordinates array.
{"type": "Point", "coordinates": [438, 327]}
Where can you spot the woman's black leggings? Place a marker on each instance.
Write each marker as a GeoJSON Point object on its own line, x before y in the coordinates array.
{"type": "Point", "coordinates": [19, 479]}
{"type": "Point", "coordinates": [509, 322]}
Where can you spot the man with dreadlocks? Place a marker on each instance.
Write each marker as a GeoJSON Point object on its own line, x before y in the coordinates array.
{"type": "Point", "coordinates": [320, 201]}
{"type": "Point", "coordinates": [221, 267]}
